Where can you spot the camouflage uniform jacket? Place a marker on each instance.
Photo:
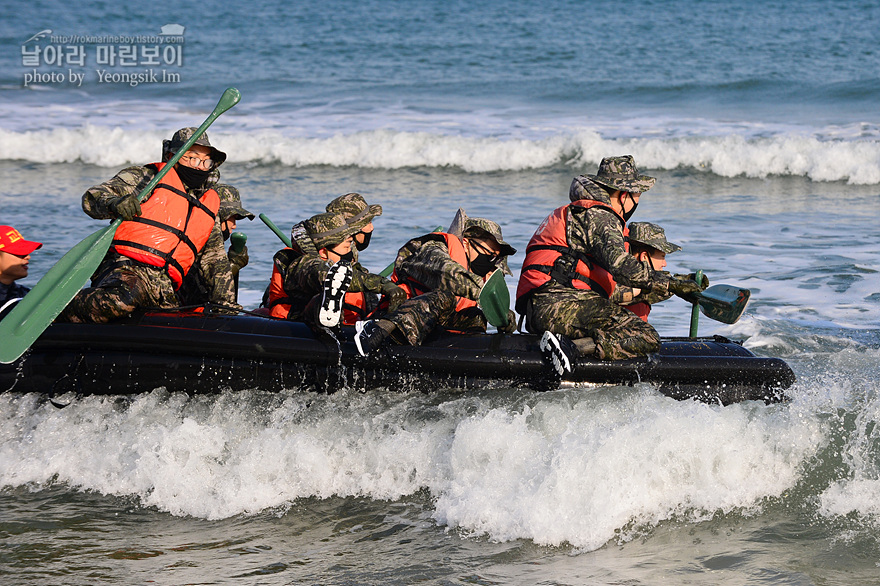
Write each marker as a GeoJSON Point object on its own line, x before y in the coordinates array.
{"type": "Point", "coordinates": [426, 261]}
{"type": "Point", "coordinates": [302, 277]}
{"type": "Point", "coordinates": [211, 264]}
{"type": "Point", "coordinates": [598, 233]}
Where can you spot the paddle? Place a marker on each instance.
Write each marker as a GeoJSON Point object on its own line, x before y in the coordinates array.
{"type": "Point", "coordinates": [275, 229]}
{"type": "Point", "coordinates": [723, 303]}
{"type": "Point", "coordinates": [495, 299]}
{"type": "Point", "coordinates": [238, 240]}
{"type": "Point", "coordinates": [33, 314]}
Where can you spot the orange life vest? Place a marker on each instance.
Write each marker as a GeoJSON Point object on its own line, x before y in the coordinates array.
{"type": "Point", "coordinates": [550, 245]}
{"type": "Point", "coordinates": [280, 304]}
{"type": "Point", "coordinates": [172, 228]}
{"type": "Point", "coordinates": [456, 252]}
{"type": "Point", "coordinates": [641, 309]}
{"type": "Point", "coordinates": [354, 307]}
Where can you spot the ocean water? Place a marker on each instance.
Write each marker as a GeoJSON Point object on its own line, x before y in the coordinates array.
{"type": "Point", "coordinates": [758, 120]}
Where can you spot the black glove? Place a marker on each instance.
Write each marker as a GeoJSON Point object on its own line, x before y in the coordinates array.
{"type": "Point", "coordinates": [511, 323]}
{"type": "Point", "coordinates": [126, 207]}
{"type": "Point", "coordinates": [685, 288]}
{"type": "Point", "coordinates": [396, 295]}
{"type": "Point", "coordinates": [693, 277]}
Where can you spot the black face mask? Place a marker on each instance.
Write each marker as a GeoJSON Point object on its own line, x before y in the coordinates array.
{"type": "Point", "coordinates": [366, 243]}
{"type": "Point", "coordinates": [347, 257]}
{"type": "Point", "coordinates": [192, 178]}
{"type": "Point", "coordinates": [483, 264]}
{"type": "Point", "coordinates": [628, 215]}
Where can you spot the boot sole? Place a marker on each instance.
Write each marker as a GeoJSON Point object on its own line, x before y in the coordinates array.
{"type": "Point", "coordinates": [335, 287]}
{"type": "Point", "coordinates": [553, 353]}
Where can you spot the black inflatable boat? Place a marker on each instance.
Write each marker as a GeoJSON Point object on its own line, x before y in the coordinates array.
{"type": "Point", "coordinates": [203, 353]}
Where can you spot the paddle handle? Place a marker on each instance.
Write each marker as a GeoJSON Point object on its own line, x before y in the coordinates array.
{"type": "Point", "coordinates": [695, 308]}
{"type": "Point", "coordinates": [237, 241]}
{"type": "Point", "coordinates": [275, 229]}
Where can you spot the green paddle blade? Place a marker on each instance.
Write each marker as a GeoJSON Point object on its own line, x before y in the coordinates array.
{"type": "Point", "coordinates": [33, 314]}
{"type": "Point", "coordinates": [724, 303]}
{"type": "Point", "coordinates": [495, 299]}
{"type": "Point", "coordinates": [52, 293]}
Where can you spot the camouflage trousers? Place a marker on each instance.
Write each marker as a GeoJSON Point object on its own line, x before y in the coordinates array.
{"type": "Point", "coordinates": [416, 318]}
{"type": "Point", "coordinates": [617, 332]}
{"type": "Point", "coordinates": [118, 291]}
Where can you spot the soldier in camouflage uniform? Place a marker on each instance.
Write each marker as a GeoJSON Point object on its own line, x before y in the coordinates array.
{"type": "Point", "coordinates": [359, 214]}
{"type": "Point", "coordinates": [443, 274]}
{"type": "Point", "coordinates": [573, 263]}
{"type": "Point", "coordinates": [121, 283]}
{"type": "Point", "coordinates": [193, 291]}
{"type": "Point", "coordinates": [303, 275]}
{"type": "Point", "coordinates": [648, 244]}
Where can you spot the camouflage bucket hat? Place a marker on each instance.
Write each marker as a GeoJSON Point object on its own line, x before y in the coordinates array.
{"type": "Point", "coordinates": [651, 235]}
{"type": "Point", "coordinates": [620, 174]}
{"type": "Point", "coordinates": [327, 230]}
{"type": "Point", "coordinates": [181, 136]}
{"type": "Point", "coordinates": [230, 204]}
{"type": "Point", "coordinates": [355, 209]}
{"type": "Point", "coordinates": [493, 230]}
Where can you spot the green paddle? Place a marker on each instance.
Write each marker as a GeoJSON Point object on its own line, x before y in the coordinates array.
{"type": "Point", "coordinates": [495, 299]}
{"type": "Point", "coordinates": [33, 314]}
{"type": "Point", "coordinates": [275, 229]}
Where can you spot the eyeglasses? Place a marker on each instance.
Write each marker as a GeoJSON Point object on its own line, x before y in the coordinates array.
{"type": "Point", "coordinates": [196, 162]}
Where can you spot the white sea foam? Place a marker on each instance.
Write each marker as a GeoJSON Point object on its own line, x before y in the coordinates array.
{"type": "Point", "coordinates": [855, 161]}
{"type": "Point", "coordinates": [572, 467]}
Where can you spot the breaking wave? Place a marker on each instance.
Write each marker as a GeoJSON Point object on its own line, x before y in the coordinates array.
{"type": "Point", "coordinates": [819, 158]}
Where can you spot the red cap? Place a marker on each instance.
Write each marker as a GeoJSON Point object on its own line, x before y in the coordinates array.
{"type": "Point", "coordinates": [13, 242]}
